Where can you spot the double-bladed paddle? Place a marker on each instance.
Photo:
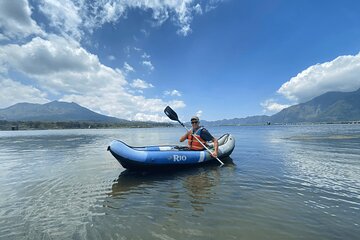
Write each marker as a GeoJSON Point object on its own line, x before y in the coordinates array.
{"type": "Point", "coordinates": [173, 116]}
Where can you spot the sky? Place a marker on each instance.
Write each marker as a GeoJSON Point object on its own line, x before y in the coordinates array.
{"type": "Point", "coordinates": [217, 59]}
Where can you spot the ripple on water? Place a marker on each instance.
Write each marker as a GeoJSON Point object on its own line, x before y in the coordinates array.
{"type": "Point", "coordinates": [65, 185]}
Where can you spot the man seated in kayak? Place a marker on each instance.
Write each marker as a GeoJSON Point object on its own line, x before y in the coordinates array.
{"type": "Point", "coordinates": [202, 134]}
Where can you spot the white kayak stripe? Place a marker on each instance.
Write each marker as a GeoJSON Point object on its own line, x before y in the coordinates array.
{"type": "Point", "coordinates": [167, 148]}
{"type": "Point", "coordinates": [202, 156]}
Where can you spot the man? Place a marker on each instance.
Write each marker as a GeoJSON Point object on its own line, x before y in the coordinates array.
{"type": "Point", "coordinates": [202, 134]}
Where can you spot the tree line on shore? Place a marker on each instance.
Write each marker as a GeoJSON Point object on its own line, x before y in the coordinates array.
{"type": "Point", "coordinates": [40, 125]}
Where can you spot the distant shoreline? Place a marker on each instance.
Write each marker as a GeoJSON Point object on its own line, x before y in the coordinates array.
{"type": "Point", "coordinates": [285, 124]}
{"type": "Point", "coordinates": [41, 125]}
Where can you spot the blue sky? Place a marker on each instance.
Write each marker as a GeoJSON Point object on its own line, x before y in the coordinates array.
{"type": "Point", "coordinates": [217, 59]}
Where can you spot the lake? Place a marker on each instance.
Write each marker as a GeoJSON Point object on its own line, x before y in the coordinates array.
{"type": "Point", "coordinates": [282, 182]}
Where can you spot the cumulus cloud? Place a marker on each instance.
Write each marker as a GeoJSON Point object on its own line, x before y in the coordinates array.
{"type": "Point", "coordinates": [340, 74]}
{"type": "Point", "coordinates": [150, 117]}
{"type": "Point", "coordinates": [199, 113]}
{"type": "Point", "coordinates": [123, 104]}
{"type": "Point", "coordinates": [138, 83]}
{"type": "Point", "coordinates": [149, 65]}
{"type": "Point", "coordinates": [15, 20]}
{"type": "Point", "coordinates": [61, 67]}
{"type": "Point", "coordinates": [271, 106]}
{"type": "Point", "coordinates": [173, 93]}
{"type": "Point", "coordinates": [10, 91]}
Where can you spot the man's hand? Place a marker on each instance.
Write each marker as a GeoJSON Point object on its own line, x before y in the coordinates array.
{"type": "Point", "coordinates": [214, 154]}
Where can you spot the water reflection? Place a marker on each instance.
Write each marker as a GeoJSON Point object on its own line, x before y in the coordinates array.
{"type": "Point", "coordinates": [198, 183]}
{"type": "Point", "coordinates": [200, 187]}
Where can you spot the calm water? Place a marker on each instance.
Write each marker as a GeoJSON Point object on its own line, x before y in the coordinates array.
{"type": "Point", "coordinates": [284, 182]}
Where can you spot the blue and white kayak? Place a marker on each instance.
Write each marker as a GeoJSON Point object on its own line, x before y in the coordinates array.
{"type": "Point", "coordinates": [153, 157]}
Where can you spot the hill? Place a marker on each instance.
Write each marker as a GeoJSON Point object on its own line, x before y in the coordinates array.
{"type": "Point", "coordinates": [54, 112]}
{"type": "Point", "coordinates": [328, 107]}
{"type": "Point", "coordinates": [252, 120]}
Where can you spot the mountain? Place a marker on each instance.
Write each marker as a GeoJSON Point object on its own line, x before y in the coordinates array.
{"type": "Point", "coordinates": [238, 121]}
{"type": "Point", "coordinates": [53, 111]}
{"type": "Point", "coordinates": [328, 107]}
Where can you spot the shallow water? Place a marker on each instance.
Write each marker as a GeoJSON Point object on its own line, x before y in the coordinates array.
{"type": "Point", "coordinates": [283, 182]}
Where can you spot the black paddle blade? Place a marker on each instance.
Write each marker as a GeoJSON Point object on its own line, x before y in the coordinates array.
{"type": "Point", "coordinates": [171, 113]}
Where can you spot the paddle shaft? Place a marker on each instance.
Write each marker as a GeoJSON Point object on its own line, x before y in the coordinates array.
{"type": "Point", "coordinates": [201, 143]}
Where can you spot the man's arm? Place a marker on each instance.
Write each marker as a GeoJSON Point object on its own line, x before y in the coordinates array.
{"type": "Point", "coordinates": [184, 137]}
{"type": "Point", "coordinates": [216, 148]}
{"type": "Point", "coordinates": [208, 137]}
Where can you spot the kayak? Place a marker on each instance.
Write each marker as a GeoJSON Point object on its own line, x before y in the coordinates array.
{"type": "Point", "coordinates": [167, 156]}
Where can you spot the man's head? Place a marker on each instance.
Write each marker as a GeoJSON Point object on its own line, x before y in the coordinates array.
{"type": "Point", "coordinates": [195, 121]}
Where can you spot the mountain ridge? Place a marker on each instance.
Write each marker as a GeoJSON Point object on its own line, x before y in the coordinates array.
{"type": "Point", "coordinates": [329, 107]}
{"type": "Point", "coordinates": [56, 111]}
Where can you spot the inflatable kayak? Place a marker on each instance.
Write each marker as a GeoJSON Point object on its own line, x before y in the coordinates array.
{"type": "Point", "coordinates": [155, 157]}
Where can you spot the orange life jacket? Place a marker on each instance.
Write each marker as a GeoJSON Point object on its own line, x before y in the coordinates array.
{"type": "Point", "coordinates": [193, 143]}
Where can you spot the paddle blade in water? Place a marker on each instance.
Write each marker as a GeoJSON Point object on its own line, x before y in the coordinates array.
{"type": "Point", "coordinates": [171, 113]}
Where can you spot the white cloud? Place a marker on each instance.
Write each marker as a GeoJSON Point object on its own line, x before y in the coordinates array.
{"type": "Point", "coordinates": [197, 8]}
{"type": "Point", "coordinates": [15, 20]}
{"type": "Point", "coordinates": [145, 56]}
{"type": "Point", "coordinates": [111, 57]}
{"type": "Point", "coordinates": [199, 113]}
{"type": "Point", "coordinates": [61, 67]}
{"type": "Point", "coordinates": [185, 17]}
{"type": "Point", "coordinates": [124, 105]}
{"type": "Point", "coordinates": [128, 68]}
{"type": "Point", "coordinates": [112, 11]}
{"type": "Point", "coordinates": [138, 83]}
{"type": "Point", "coordinates": [64, 16]}
{"type": "Point", "coordinates": [173, 93]}
{"type": "Point", "coordinates": [185, 30]}
{"type": "Point", "coordinates": [176, 104]}
{"type": "Point", "coordinates": [76, 16]}
{"type": "Point", "coordinates": [271, 106]}
{"type": "Point", "coordinates": [149, 65]}
{"type": "Point", "coordinates": [12, 92]}
{"type": "Point", "coordinates": [150, 117]}
{"type": "Point", "coordinates": [212, 4]}
{"type": "Point", "coordinates": [340, 74]}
